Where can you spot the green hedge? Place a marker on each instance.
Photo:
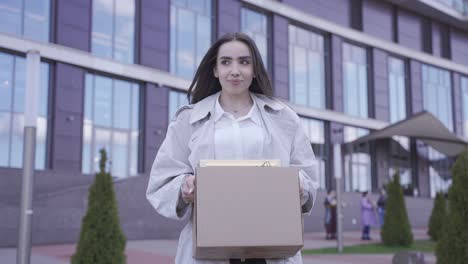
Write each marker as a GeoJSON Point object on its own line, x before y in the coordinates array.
{"type": "Point", "coordinates": [101, 239]}
{"type": "Point", "coordinates": [452, 246]}
{"type": "Point", "coordinates": [396, 230]}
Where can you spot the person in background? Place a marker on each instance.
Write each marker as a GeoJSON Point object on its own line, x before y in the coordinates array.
{"type": "Point", "coordinates": [381, 206]}
{"type": "Point", "coordinates": [367, 216]}
{"type": "Point", "coordinates": [330, 214]}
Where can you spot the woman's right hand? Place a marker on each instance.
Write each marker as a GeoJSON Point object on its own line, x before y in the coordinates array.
{"type": "Point", "coordinates": [188, 189]}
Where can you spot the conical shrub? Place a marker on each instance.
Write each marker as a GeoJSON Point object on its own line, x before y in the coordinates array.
{"type": "Point", "coordinates": [101, 239]}
{"type": "Point", "coordinates": [452, 246]}
{"type": "Point", "coordinates": [438, 215]}
{"type": "Point", "coordinates": [396, 230]}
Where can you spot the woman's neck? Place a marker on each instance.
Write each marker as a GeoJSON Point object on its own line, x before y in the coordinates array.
{"type": "Point", "coordinates": [238, 105]}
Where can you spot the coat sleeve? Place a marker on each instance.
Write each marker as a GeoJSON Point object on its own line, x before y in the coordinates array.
{"type": "Point", "coordinates": [169, 169]}
{"type": "Point", "coordinates": [302, 156]}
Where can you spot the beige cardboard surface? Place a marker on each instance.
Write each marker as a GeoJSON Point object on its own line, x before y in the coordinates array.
{"type": "Point", "coordinates": [246, 212]}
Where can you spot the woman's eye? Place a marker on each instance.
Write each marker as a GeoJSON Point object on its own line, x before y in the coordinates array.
{"type": "Point", "coordinates": [245, 62]}
{"type": "Point", "coordinates": [225, 62]}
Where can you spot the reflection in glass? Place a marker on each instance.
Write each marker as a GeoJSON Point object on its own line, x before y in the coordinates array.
{"type": "Point", "coordinates": [12, 96]}
{"type": "Point", "coordinates": [27, 18]}
{"type": "Point", "coordinates": [190, 36]}
{"type": "Point", "coordinates": [177, 99]}
{"type": "Point", "coordinates": [315, 130]}
{"type": "Point", "coordinates": [254, 24]}
{"type": "Point", "coordinates": [113, 29]}
{"type": "Point", "coordinates": [306, 68]}
{"type": "Point", "coordinates": [113, 124]}
{"type": "Point", "coordinates": [464, 90]}
{"type": "Point", "coordinates": [355, 80]}
{"type": "Point", "coordinates": [357, 161]}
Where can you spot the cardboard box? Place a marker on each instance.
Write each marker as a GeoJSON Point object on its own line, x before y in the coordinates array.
{"type": "Point", "coordinates": [247, 212]}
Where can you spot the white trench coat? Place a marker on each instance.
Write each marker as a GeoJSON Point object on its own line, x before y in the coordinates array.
{"type": "Point", "coordinates": [190, 138]}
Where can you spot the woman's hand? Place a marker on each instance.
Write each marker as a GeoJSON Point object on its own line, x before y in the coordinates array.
{"type": "Point", "coordinates": [188, 189]}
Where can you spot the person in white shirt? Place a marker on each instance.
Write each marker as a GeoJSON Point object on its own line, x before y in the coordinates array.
{"type": "Point", "coordinates": [232, 115]}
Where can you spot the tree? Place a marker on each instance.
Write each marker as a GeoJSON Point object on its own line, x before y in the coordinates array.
{"type": "Point", "coordinates": [396, 230]}
{"type": "Point", "coordinates": [452, 246]}
{"type": "Point", "coordinates": [438, 215]}
{"type": "Point", "coordinates": [101, 239]}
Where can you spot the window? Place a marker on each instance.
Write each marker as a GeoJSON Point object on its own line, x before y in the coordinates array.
{"type": "Point", "coordinates": [355, 80]}
{"type": "Point", "coordinates": [314, 129]}
{"type": "Point", "coordinates": [306, 68]}
{"type": "Point", "coordinates": [28, 18]}
{"type": "Point", "coordinates": [177, 99]}
{"type": "Point", "coordinates": [255, 25]}
{"type": "Point", "coordinates": [113, 32]}
{"type": "Point", "coordinates": [464, 90]}
{"type": "Point", "coordinates": [437, 93]}
{"type": "Point", "coordinates": [190, 35]}
{"type": "Point", "coordinates": [111, 121]}
{"type": "Point", "coordinates": [399, 158]}
{"type": "Point", "coordinates": [12, 96]}
{"type": "Point", "coordinates": [357, 161]}
{"type": "Point", "coordinates": [437, 99]}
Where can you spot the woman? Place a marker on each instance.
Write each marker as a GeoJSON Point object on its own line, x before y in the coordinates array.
{"type": "Point", "coordinates": [367, 216]}
{"type": "Point", "coordinates": [232, 116]}
{"type": "Point", "coordinates": [381, 206]}
{"type": "Point", "coordinates": [330, 215]}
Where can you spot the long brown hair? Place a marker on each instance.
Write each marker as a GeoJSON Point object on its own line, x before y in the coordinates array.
{"type": "Point", "coordinates": [205, 84]}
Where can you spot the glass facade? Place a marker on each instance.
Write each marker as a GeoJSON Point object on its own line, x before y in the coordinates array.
{"type": "Point", "coordinates": [12, 97]}
{"type": "Point", "coordinates": [113, 29]}
{"type": "Point", "coordinates": [357, 161]}
{"type": "Point", "coordinates": [111, 121]}
{"type": "Point", "coordinates": [437, 99]}
{"type": "Point", "coordinates": [177, 99]}
{"type": "Point", "coordinates": [315, 130]}
{"type": "Point", "coordinates": [190, 35]}
{"type": "Point", "coordinates": [355, 80]}
{"type": "Point", "coordinates": [255, 25]}
{"type": "Point", "coordinates": [306, 68]}
{"type": "Point", "coordinates": [399, 158]}
{"type": "Point", "coordinates": [27, 18]}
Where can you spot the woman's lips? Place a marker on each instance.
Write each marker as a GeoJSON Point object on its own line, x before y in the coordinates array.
{"type": "Point", "coordinates": [235, 82]}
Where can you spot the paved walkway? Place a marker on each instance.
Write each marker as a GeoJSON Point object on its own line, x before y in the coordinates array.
{"type": "Point", "coordinates": [163, 251]}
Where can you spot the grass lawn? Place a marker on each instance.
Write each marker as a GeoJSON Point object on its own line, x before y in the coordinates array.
{"type": "Point", "coordinates": [377, 248]}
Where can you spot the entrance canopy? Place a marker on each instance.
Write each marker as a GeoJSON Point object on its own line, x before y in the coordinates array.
{"type": "Point", "coordinates": [423, 126]}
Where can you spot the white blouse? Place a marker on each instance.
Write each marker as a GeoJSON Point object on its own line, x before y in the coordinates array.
{"type": "Point", "coordinates": [238, 138]}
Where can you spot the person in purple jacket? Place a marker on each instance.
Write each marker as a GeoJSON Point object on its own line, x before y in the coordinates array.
{"type": "Point", "coordinates": [367, 216]}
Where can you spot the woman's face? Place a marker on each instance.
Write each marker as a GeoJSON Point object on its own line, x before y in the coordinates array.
{"type": "Point", "coordinates": [234, 67]}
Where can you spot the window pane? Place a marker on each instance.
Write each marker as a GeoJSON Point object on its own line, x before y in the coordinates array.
{"type": "Point", "coordinates": [355, 80]}
{"type": "Point", "coordinates": [6, 81]}
{"type": "Point", "coordinates": [5, 121]}
{"type": "Point", "coordinates": [119, 154]}
{"type": "Point", "coordinates": [20, 84]}
{"type": "Point", "coordinates": [122, 101]}
{"type": "Point", "coordinates": [102, 101]}
{"type": "Point", "coordinates": [124, 30]}
{"type": "Point", "coordinates": [41, 143]}
{"type": "Point", "coordinates": [190, 35]}
{"type": "Point", "coordinates": [101, 42]}
{"type": "Point", "coordinates": [87, 147]}
{"type": "Point", "coordinates": [254, 24]}
{"type": "Point", "coordinates": [11, 16]}
{"type": "Point", "coordinates": [306, 68]}
{"type": "Point", "coordinates": [16, 159]}
{"type": "Point", "coordinates": [36, 19]}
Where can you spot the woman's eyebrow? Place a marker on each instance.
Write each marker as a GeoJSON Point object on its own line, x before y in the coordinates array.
{"type": "Point", "coordinates": [230, 58]}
